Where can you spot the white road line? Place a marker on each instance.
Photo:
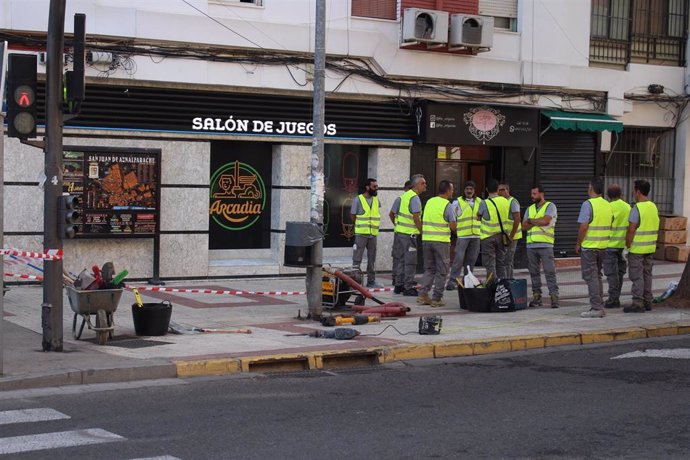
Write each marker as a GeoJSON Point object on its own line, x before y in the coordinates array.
{"type": "Point", "coordinates": [30, 415]}
{"type": "Point", "coordinates": [164, 457]}
{"type": "Point", "coordinates": [672, 353]}
{"type": "Point", "coordinates": [17, 444]}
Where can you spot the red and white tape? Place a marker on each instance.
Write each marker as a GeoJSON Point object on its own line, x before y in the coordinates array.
{"type": "Point", "coordinates": [213, 291]}
{"type": "Point", "coordinates": [25, 276]}
{"type": "Point", "coordinates": [50, 254]}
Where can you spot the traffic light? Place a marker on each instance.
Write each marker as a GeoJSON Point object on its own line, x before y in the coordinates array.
{"type": "Point", "coordinates": [74, 79]}
{"type": "Point", "coordinates": [21, 95]}
{"type": "Point", "coordinates": [68, 216]}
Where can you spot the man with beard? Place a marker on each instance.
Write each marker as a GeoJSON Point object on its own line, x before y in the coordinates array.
{"type": "Point", "coordinates": [540, 225]}
{"type": "Point", "coordinates": [467, 245]}
{"type": "Point", "coordinates": [367, 219]}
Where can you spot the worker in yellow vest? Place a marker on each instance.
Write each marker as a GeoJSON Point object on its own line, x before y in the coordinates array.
{"type": "Point", "coordinates": [366, 216]}
{"type": "Point", "coordinates": [438, 222]}
{"type": "Point", "coordinates": [407, 227]}
{"type": "Point", "coordinates": [592, 240]}
{"type": "Point", "coordinates": [396, 254]}
{"type": "Point", "coordinates": [540, 225]}
{"type": "Point", "coordinates": [614, 262]}
{"type": "Point", "coordinates": [495, 237]}
{"type": "Point", "coordinates": [467, 245]}
{"type": "Point", "coordinates": [643, 231]}
{"type": "Point", "coordinates": [513, 215]}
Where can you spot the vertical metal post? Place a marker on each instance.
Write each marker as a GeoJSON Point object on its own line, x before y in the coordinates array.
{"type": "Point", "coordinates": [51, 312]}
{"type": "Point", "coordinates": [314, 296]}
{"type": "Point", "coordinates": [2, 227]}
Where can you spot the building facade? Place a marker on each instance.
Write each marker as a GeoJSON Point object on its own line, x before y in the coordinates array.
{"type": "Point", "coordinates": [193, 146]}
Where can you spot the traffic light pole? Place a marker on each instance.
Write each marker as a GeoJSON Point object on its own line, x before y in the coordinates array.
{"type": "Point", "coordinates": [51, 308]}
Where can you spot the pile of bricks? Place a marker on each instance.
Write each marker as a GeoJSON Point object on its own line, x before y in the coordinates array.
{"type": "Point", "coordinates": [671, 244]}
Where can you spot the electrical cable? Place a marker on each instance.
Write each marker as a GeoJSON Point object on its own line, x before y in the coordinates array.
{"type": "Point", "coordinates": [386, 328]}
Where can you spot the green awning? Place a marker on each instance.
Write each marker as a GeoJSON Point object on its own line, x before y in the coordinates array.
{"type": "Point", "coordinates": [577, 121]}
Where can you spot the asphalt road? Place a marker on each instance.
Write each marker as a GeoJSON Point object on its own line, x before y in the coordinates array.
{"type": "Point", "coordinates": [557, 403]}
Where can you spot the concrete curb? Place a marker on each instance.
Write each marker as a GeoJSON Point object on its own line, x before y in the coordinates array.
{"type": "Point", "coordinates": [358, 357]}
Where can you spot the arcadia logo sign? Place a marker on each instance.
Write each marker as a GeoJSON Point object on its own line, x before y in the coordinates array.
{"type": "Point", "coordinates": [238, 196]}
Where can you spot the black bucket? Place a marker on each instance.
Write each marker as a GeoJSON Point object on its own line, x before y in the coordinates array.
{"type": "Point", "coordinates": [152, 318]}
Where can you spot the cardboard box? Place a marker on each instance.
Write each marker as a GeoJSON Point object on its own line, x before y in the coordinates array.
{"type": "Point", "coordinates": [672, 236]}
{"type": "Point", "coordinates": [660, 253]}
{"type": "Point", "coordinates": [671, 222]}
{"type": "Point", "coordinates": [677, 253]}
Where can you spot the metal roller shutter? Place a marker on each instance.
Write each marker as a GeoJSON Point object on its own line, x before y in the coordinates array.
{"type": "Point", "coordinates": [566, 165]}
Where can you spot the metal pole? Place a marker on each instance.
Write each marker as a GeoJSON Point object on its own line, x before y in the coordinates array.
{"type": "Point", "coordinates": [2, 228]}
{"type": "Point", "coordinates": [51, 312]}
{"type": "Point", "coordinates": [314, 296]}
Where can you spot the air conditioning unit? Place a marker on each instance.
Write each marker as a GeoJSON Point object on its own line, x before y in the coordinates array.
{"type": "Point", "coordinates": [468, 31]}
{"type": "Point", "coordinates": [424, 26]}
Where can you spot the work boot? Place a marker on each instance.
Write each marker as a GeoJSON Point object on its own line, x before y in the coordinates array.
{"type": "Point", "coordinates": [423, 299]}
{"type": "Point", "coordinates": [437, 303]}
{"type": "Point", "coordinates": [373, 284]}
{"type": "Point", "coordinates": [636, 307]}
{"type": "Point", "coordinates": [398, 289]}
{"type": "Point", "coordinates": [648, 306]}
{"type": "Point", "coordinates": [536, 300]}
{"type": "Point", "coordinates": [452, 286]}
{"type": "Point", "coordinates": [592, 313]}
{"type": "Point", "coordinates": [412, 292]}
{"type": "Point", "coordinates": [612, 303]}
{"type": "Point", "coordinates": [555, 303]}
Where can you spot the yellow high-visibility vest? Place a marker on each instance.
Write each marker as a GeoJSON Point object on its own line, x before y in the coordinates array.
{"type": "Point", "coordinates": [493, 226]}
{"type": "Point", "coordinates": [508, 223]}
{"type": "Point", "coordinates": [599, 230]}
{"type": "Point", "coordinates": [619, 227]}
{"type": "Point", "coordinates": [369, 222]}
{"type": "Point", "coordinates": [644, 241]}
{"type": "Point", "coordinates": [434, 226]}
{"type": "Point", "coordinates": [468, 225]}
{"type": "Point", "coordinates": [405, 223]}
{"type": "Point", "coordinates": [541, 234]}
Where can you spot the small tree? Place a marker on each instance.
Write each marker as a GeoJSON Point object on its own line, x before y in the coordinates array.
{"type": "Point", "coordinates": [681, 299]}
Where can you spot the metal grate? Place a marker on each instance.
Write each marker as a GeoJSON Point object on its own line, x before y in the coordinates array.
{"type": "Point", "coordinates": [644, 153]}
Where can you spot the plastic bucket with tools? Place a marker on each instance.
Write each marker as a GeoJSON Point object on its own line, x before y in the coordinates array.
{"type": "Point", "coordinates": [151, 318]}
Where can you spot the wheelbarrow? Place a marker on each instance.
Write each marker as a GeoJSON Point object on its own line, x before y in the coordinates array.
{"type": "Point", "coordinates": [102, 303]}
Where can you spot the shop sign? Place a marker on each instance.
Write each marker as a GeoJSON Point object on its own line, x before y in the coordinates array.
{"type": "Point", "coordinates": [465, 124]}
{"type": "Point", "coordinates": [269, 127]}
{"type": "Point", "coordinates": [239, 195]}
{"type": "Point", "coordinates": [118, 190]}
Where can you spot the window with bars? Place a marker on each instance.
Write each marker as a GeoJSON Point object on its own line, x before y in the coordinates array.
{"type": "Point", "coordinates": [646, 31]}
{"type": "Point", "coordinates": [644, 153]}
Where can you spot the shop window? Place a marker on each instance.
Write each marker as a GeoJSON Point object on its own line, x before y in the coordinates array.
{"type": "Point", "coordinates": [380, 9]}
{"type": "Point", "coordinates": [645, 31]}
{"type": "Point", "coordinates": [644, 153]}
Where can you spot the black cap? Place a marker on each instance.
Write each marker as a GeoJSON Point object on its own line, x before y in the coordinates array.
{"type": "Point", "coordinates": [470, 183]}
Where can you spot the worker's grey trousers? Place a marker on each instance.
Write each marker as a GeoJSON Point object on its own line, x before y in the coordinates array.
{"type": "Point", "coordinates": [536, 258]}
{"type": "Point", "coordinates": [494, 256]}
{"type": "Point", "coordinates": [640, 272]}
{"type": "Point", "coordinates": [466, 253]}
{"type": "Point", "coordinates": [436, 262]}
{"type": "Point", "coordinates": [591, 261]}
{"type": "Point", "coordinates": [369, 243]}
{"type": "Point", "coordinates": [614, 270]}
{"type": "Point", "coordinates": [404, 259]}
{"type": "Point", "coordinates": [510, 255]}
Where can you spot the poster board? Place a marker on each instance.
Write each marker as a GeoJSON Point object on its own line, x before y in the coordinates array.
{"type": "Point", "coordinates": [118, 190]}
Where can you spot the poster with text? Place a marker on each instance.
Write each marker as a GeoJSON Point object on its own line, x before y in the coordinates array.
{"type": "Point", "coordinates": [118, 190]}
{"type": "Point", "coordinates": [240, 195]}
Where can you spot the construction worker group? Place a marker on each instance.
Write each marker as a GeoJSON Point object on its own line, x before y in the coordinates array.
{"type": "Point", "coordinates": [492, 227]}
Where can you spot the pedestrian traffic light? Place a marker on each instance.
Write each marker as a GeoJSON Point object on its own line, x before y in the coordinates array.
{"type": "Point", "coordinates": [21, 96]}
{"type": "Point", "coordinates": [68, 216]}
{"type": "Point", "coordinates": [74, 79]}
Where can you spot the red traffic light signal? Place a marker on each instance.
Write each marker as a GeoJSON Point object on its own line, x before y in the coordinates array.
{"type": "Point", "coordinates": [21, 106]}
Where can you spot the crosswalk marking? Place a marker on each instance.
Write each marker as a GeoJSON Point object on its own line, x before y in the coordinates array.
{"type": "Point", "coordinates": [30, 415]}
{"type": "Point", "coordinates": [17, 444]}
{"type": "Point", "coordinates": [673, 353]}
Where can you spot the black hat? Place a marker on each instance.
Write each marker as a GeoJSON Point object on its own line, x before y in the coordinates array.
{"type": "Point", "coordinates": [470, 183]}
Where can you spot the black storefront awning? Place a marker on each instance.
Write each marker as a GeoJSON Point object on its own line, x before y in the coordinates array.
{"type": "Point", "coordinates": [574, 121]}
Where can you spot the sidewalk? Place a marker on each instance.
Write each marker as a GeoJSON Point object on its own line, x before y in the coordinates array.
{"type": "Point", "coordinates": [127, 357]}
